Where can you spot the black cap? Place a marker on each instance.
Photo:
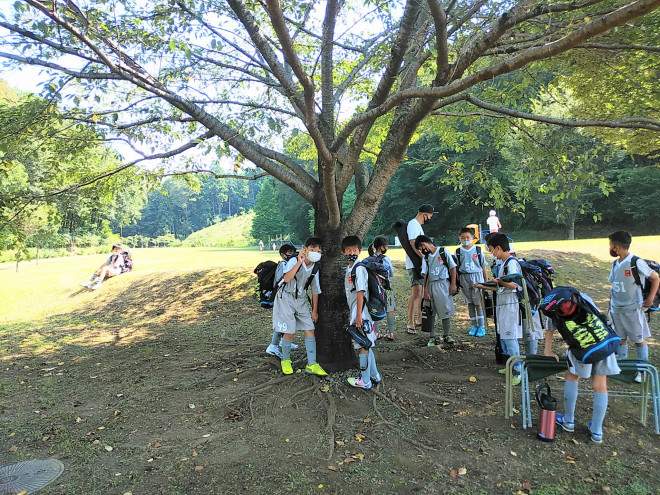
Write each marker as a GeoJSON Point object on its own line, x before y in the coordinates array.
{"type": "Point", "coordinates": [426, 208]}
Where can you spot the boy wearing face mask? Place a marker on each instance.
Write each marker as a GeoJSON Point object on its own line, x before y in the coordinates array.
{"type": "Point", "coordinates": [472, 270]}
{"type": "Point", "coordinates": [440, 285]}
{"type": "Point", "coordinates": [626, 303]}
{"type": "Point", "coordinates": [290, 310]}
{"type": "Point", "coordinates": [357, 294]}
{"type": "Point", "coordinates": [378, 248]}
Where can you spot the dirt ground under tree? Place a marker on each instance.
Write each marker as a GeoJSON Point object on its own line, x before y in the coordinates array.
{"type": "Point", "coordinates": [162, 387]}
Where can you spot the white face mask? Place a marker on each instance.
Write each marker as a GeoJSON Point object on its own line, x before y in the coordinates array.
{"type": "Point", "coordinates": [466, 243]}
{"type": "Point", "coordinates": [313, 256]}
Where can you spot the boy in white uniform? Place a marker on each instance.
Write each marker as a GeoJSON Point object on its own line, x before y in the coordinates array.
{"type": "Point", "coordinates": [507, 310]}
{"type": "Point", "coordinates": [494, 224]}
{"type": "Point", "coordinates": [290, 310]}
{"type": "Point", "coordinates": [440, 285]}
{"type": "Point", "coordinates": [112, 267]}
{"type": "Point", "coordinates": [357, 293]}
{"type": "Point", "coordinates": [472, 269]}
{"type": "Point", "coordinates": [626, 300]}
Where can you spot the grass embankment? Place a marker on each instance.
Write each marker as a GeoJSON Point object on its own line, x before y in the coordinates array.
{"type": "Point", "coordinates": [234, 232]}
{"type": "Point", "coordinates": [157, 383]}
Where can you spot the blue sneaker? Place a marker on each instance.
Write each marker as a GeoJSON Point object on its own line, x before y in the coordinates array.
{"type": "Point", "coordinates": [568, 426]}
{"type": "Point", "coordinates": [595, 437]}
{"type": "Point", "coordinates": [481, 332]}
{"type": "Point", "coordinates": [473, 331]}
{"type": "Point", "coordinates": [377, 379]}
{"type": "Point", "coordinates": [293, 346]}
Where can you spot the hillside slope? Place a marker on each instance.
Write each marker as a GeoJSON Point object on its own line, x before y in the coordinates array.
{"type": "Point", "coordinates": [234, 232]}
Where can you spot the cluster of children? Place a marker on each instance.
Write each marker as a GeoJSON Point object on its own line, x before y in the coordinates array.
{"type": "Point", "coordinates": [443, 274]}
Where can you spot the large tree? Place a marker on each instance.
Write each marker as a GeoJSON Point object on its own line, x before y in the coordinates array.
{"type": "Point", "coordinates": [359, 78]}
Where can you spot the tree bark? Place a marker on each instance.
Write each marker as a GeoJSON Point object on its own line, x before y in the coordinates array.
{"type": "Point", "coordinates": [334, 349]}
{"type": "Point", "coordinates": [571, 228]}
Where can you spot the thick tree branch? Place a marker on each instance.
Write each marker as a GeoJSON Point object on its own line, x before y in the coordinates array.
{"type": "Point", "coordinates": [627, 123]}
{"type": "Point", "coordinates": [327, 71]}
{"type": "Point", "coordinates": [216, 175]}
{"type": "Point", "coordinates": [605, 46]}
{"type": "Point", "coordinates": [442, 59]}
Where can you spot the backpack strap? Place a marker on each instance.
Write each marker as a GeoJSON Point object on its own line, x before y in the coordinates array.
{"type": "Point", "coordinates": [445, 260]}
{"type": "Point", "coordinates": [635, 270]}
{"type": "Point", "coordinates": [315, 270]}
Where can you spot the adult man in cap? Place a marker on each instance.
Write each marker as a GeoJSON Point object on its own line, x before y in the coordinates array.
{"type": "Point", "coordinates": [424, 214]}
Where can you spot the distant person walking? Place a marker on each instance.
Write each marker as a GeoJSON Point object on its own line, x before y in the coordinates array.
{"type": "Point", "coordinates": [424, 214]}
{"type": "Point", "coordinates": [494, 224]}
{"type": "Point", "coordinates": [261, 245]}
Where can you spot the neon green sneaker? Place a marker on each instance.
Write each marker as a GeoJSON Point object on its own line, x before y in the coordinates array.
{"type": "Point", "coordinates": [286, 367]}
{"type": "Point", "coordinates": [515, 380]}
{"type": "Point", "coordinates": [502, 371]}
{"type": "Point", "coordinates": [315, 369]}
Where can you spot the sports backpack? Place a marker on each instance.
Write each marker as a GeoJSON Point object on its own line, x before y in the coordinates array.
{"type": "Point", "coordinates": [266, 290]}
{"type": "Point", "coordinates": [587, 332]}
{"type": "Point", "coordinates": [646, 289]}
{"type": "Point", "coordinates": [376, 279]}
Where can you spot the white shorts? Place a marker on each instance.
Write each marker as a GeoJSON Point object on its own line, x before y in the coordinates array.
{"type": "Point", "coordinates": [607, 366]}
{"type": "Point", "coordinates": [631, 325]}
{"type": "Point", "coordinates": [536, 331]}
{"type": "Point", "coordinates": [441, 300]}
{"type": "Point", "coordinates": [471, 295]}
{"type": "Point", "coordinates": [113, 272]}
{"type": "Point", "coordinates": [291, 313]}
{"type": "Point", "coordinates": [508, 317]}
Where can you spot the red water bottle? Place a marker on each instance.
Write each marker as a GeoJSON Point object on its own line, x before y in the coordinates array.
{"type": "Point", "coordinates": [548, 405]}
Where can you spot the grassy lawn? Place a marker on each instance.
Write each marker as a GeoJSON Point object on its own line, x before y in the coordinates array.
{"type": "Point", "coordinates": [157, 383]}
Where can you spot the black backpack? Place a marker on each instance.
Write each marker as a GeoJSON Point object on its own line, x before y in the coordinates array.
{"type": "Point", "coordinates": [377, 276]}
{"type": "Point", "coordinates": [445, 261]}
{"type": "Point", "coordinates": [279, 274]}
{"type": "Point", "coordinates": [400, 228]}
{"type": "Point", "coordinates": [646, 289]}
{"type": "Point", "coordinates": [587, 332]}
{"type": "Point", "coordinates": [266, 289]}
{"type": "Point", "coordinates": [535, 283]}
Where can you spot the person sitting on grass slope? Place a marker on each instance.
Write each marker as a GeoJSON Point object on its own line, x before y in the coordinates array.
{"type": "Point", "coordinates": [110, 268]}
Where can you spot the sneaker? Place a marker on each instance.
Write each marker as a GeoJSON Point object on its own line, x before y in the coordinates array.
{"type": "Point", "coordinates": [431, 343]}
{"type": "Point", "coordinates": [273, 351]}
{"type": "Point", "coordinates": [568, 426]}
{"type": "Point", "coordinates": [95, 286]}
{"type": "Point", "coordinates": [390, 336]}
{"type": "Point", "coordinates": [595, 437]}
{"type": "Point", "coordinates": [85, 284]}
{"type": "Point", "coordinates": [315, 369]}
{"type": "Point", "coordinates": [358, 383]}
{"type": "Point", "coordinates": [515, 380]}
{"type": "Point", "coordinates": [377, 379]}
{"type": "Point", "coordinates": [502, 371]}
{"type": "Point", "coordinates": [481, 332]}
{"type": "Point", "coordinates": [473, 331]}
{"type": "Point", "coordinates": [286, 367]}
{"type": "Point", "coordinates": [448, 339]}
{"type": "Point", "coordinates": [638, 377]}
{"type": "Point", "coordinates": [379, 335]}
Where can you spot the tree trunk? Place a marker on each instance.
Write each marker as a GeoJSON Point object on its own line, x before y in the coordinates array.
{"type": "Point", "coordinates": [335, 352]}
{"type": "Point", "coordinates": [37, 254]}
{"type": "Point", "coordinates": [570, 222]}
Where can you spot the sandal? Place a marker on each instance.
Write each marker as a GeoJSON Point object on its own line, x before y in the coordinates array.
{"type": "Point", "coordinates": [411, 331]}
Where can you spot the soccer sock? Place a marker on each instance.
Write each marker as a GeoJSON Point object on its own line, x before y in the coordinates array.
{"type": "Point", "coordinates": [473, 314]}
{"type": "Point", "coordinates": [512, 349]}
{"type": "Point", "coordinates": [570, 398]}
{"type": "Point", "coordinates": [364, 366]}
{"type": "Point", "coordinates": [93, 277]}
{"type": "Point", "coordinates": [480, 317]}
{"type": "Point", "coordinates": [432, 327]}
{"type": "Point", "coordinates": [600, 407]}
{"type": "Point", "coordinates": [286, 349]}
{"type": "Point", "coordinates": [446, 326]}
{"type": "Point", "coordinates": [377, 327]}
{"type": "Point", "coordinates": [373, 370]}
{"type": "Point", "coordinates": [310, 346]}
{"type": "Point", "coordinates": [622, 353]}
{"type": "Point", "coordinates": [276, 338]}
{"type": "Point", "coordinates": [390, 324]}
{"type": "Point", "coordinates": [531, 346]}
{"type": "Point", "coordinates": [643, 353]}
